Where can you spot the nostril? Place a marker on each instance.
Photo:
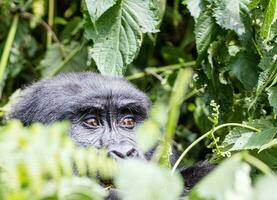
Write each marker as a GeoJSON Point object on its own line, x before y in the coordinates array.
{"type": "Point", "coordinates": [118, 154]}
{"type": "Point", "coordinates": [131, 153]}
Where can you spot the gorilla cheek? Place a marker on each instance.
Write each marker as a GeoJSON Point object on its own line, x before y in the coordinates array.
{"type": "Point", "coordinates": [84, 137]}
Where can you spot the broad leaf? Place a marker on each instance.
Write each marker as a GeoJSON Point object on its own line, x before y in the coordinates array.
{"type": "Point", "coordinates": [265, 188]}
{"type": "Point", "coordinates": [241, 139]}
{"type": "Point", "coordinates": [272, 98]}
{"type": "Point", "coordinates": [195, 7]}
{"type": "Point", "coordinates": [153, 182]}
{"type": "Point", "coordinates": [228, 14]}
{"type": "Point", "coordinates": [96, 8]}
{"type": "Point", "coordinates": [117, 35]}
{"type": "Point", "coordinates": [271, 144]}
{"type": "Point", "coordinates": [230, 180]}
{"type": "Point", "coordinates": [244, 68]}
{"type": "Point", "coordinates": [205, 29]}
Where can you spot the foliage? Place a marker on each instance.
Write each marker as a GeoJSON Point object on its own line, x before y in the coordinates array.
{"type": "Point", "coordinates": [227, 106]}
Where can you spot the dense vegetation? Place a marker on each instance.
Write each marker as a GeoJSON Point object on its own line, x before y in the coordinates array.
{"type": "Point", "coordinates": [209, 67]}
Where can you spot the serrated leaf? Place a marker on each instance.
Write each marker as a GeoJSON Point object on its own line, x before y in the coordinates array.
{"type": "Point", "coordinates": [195, 7]}
{"type": "Point", "coordinates": [236, 183]}
{"type": "Point", "coordinates": [271, 144]}
{"type": "Point", "coordinates": [240, 139]}
{"type": "Point", "coordinates": [96, 8]}
{"type": "Point", "coordinates": [118, 34]}
{"type": "Point", "coordinates": [205, 28]}
{"type": "Point", "coordinates": [228, 14]}
{"type": "Point", "coordinates": [268, 64]}
{"type": "Point", "coordinates": [153, 181]}
{"type": "Point", "coordinates": [272, 98]}
{"type": "Point", "coordinates": [269, 18]}
{"type": "Point", "coordinates": [244, 68]}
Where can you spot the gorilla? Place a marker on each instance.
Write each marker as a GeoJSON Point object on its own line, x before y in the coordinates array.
{"type": "Point", "coordinates": [104, 112]}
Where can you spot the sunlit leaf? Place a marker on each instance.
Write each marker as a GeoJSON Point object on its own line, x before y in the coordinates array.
{"type": "Point", "coordinates": [153, 182]}
{"type": "Point", "coordinates": [228, 181]}
{"type": "Point", "coordinates": [228, 14]}
{"type": "Point", "coordinates": [269, 18]}
{"type": "Point", "coordinates": [117, 35]}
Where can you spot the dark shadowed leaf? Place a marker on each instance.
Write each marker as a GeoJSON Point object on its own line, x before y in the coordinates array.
{"type": "Point", "coordinates": [245, 68]}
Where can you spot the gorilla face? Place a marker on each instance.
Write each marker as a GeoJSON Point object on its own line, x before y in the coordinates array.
{"type": "Point", "coordinates": [109, 123]}
{"type": "Point", "coordinates": [104, 111]}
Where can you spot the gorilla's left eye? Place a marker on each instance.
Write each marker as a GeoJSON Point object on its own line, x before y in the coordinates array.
{"type": "Point", "coordinates": [128, 122]}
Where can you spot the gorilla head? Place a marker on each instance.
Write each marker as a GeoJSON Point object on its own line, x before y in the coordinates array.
{"type": "Point", "coordinates": [104, 111]}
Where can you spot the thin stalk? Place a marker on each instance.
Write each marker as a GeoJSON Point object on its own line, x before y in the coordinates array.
{"type": "Point", "coordinates": [7, 48]}
{"type": "Point", "coordinates": [51, 10]}
{"type": "Point", "coordinates": [48, 29]}
{"type": "Point", "coordinates": [150, 70]}
{"type": "Point", "coordinates": [206, 135]}
{"type": "Point", "coordinates": [257, 163]}
{"type": "Point", "coordinates": [68, 58]}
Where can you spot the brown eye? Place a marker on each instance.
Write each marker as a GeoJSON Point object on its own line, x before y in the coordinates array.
{"type": "Point", "coordinates": [128, 122]}
{"type": "Point", "coordinates": [92, 122]}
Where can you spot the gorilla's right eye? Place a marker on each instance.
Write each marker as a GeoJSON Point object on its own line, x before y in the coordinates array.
{"type": "Point", "coordinates": [92, 122]}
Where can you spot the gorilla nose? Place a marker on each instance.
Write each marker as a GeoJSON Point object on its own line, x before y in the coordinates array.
{"type": "Point", "coordinates": [122, 151]}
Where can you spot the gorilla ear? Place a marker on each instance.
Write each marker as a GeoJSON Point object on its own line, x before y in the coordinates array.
{"type": "Point", "coordinates": [195, 173]}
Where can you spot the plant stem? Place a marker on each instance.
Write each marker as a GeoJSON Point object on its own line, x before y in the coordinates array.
{"type": "Point", "coordinates": [179, 90]}
{"type": "Point", "coordinates": [204, 136]}
{"type": "Point", "coordinates": [51, 9]}
{"type": "Point", "coordinates": [68, 58]}
{"type": "Point", "coordinates": [257, 163]}
{"type": "Point", "coordinates": [28, 15]}
{"type": "Point", "coordinates": [7, 49]}
{"type": "Point", "coordinates": [150, 70]}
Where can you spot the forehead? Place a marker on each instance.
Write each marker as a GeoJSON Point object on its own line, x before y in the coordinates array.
{"type": "Point", "coordinates": [104, 93]}
{"type": "Point", "coordinates": [116, 101]}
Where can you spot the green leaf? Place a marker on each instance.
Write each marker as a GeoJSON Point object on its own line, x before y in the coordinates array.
{"type": "Point", "coordinates": [195, 7]}
{"type": "Point", "coordinates": [266, 77]}
{"type": "Point", "coordinates": [265, 188]}
{"type": "Point", "coordinates": [228, 14]}
{"type": "Point", "coordinates": [269, 18]}
{"type": "Point", "coordinates": [80, 188]}
{"type": "Point", "coordinates": [205, 29]}
{"type": "Point", "coordinates": [271, 144]}
{"type": "Point", "coordinates": [230, 180]}
{"type": "Point", "coordinates": [272, 98]}
{"type": "Point", "coordinates": [117, 35]}
{"type": "Point", "coordinates": [241, 139]}
{"type": "Point", "coordinates": [150, 132]}
{"type": "Point", "coordinates": [153, 182]}
{"type": "Point", "coordinates": [244, 68]}
{"type": "Point", "coordinates": [96, 8]}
